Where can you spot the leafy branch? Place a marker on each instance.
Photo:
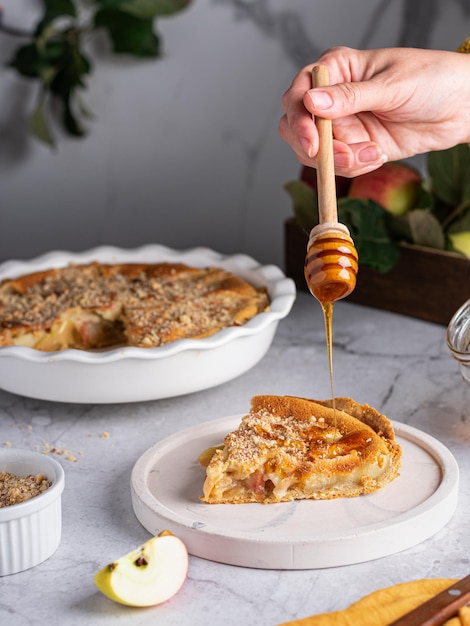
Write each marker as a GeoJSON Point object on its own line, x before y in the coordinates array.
{"type": "Point", "coordinates": [53, 54]}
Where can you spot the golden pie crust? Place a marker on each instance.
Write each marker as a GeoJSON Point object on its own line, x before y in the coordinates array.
{"type": "Point", "coordinates": [97, 306]}
{"type": "Point", "coordinates": [290, 448]}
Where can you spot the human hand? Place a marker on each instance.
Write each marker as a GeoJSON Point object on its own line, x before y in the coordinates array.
{"type": "Point", "coordinates": [385, 104]}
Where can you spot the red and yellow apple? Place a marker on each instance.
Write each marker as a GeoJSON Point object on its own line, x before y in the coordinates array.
{"type": "Point", "coordinates": [395, 186]}
{"type": "Point", "coordinates": [149, 575]}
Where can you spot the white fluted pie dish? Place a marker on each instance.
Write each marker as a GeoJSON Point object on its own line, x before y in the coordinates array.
{"type": "Point", "coordinates": [130, 374]}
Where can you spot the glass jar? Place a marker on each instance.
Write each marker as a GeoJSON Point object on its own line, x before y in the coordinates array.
{"type": "Point", "coordinates": [458, 338]}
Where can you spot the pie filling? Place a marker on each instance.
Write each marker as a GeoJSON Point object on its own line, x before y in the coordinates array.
{"type": "Point", "coordinates": [77, 329]}
{"type": "Point", "coordinates": [262, 484]}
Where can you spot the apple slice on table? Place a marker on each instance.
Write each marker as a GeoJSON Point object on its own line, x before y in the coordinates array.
{"type": "Point", "coordinates": [147, 576]}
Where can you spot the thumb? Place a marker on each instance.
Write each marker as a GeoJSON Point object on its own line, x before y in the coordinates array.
{"type": "Point", "coordinates": [344, 99]}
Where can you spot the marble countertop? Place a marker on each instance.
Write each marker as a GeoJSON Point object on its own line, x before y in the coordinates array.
{"type": "Point", "coordinates": [399, 365]}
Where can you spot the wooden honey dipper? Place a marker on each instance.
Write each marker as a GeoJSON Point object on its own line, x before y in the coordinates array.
{"type": "Point", "coordinates": [331, 263]}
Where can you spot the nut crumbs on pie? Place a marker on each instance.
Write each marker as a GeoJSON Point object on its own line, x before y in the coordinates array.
{"type": "Point", "coordinates": [96, 306]}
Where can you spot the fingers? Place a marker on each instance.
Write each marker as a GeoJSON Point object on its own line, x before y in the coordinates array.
{"type": "Point", "coordinates": [356, 135]}
{"type": "Point", "coordinates": [339, 102]}
{"type": "Point", "coordinates": [300, 133]}
{"type": "Point", "coordinates": [356, 159]}
{"type": "Point", "coordinates": [349, 159]}
{"type": "Point", "coordinates": [345, 99]}
{"type": "Point", "coordinates": [297, 127]}
{"type": "Point", "coordinates": [381, 102]}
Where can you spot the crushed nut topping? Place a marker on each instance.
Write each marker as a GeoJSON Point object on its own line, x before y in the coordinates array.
{"type": "Point", "coordinates": [99, 306]}
{"type": "Point", "coordinates": [15, 489]}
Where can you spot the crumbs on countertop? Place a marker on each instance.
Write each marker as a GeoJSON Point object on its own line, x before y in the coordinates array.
{"type": "Point", "coordinates": [46, 448]}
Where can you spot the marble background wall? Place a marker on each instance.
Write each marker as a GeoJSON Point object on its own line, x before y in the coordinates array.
{"type": "Point", "coordinates": [184, 150]}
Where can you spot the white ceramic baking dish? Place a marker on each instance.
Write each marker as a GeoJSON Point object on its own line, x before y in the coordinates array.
{"type": "Point", "coordinates": [131, 374]}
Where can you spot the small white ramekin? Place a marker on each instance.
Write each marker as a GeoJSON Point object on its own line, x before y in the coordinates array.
{"type": "Point", "coordinates": [30, 531]}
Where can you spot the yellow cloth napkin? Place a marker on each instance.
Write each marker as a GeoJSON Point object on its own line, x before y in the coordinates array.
{"type": "Point", "coordinates": [382, 607]}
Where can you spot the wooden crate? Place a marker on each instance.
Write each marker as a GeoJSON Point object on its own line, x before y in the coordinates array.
{"type": "Point", "coordinates": [427, 284]}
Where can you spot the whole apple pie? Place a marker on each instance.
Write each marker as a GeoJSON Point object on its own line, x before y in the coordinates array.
{"type": "Point", "coordinates": [290, 448]}
{"type": "Point", "coordinates": [97, 306]}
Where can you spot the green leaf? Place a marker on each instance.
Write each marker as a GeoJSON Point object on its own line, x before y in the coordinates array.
{"type": "Point", "coordinates": [145, 9]}
{"type": "Point", "coordinates": [449, 171]}
{"type": "Point", "coordinates": [55, 52]}
{"type": "Point", "coordinates": [367, 225]}
{"type": "Point", "coordinates": [58, 56]}
{"type": "Point", "coordinates": [54, 9]}
{"type": "Point", "coordinates": [47, 75]}
{"type": "Point", "coordinates": [305, 204]}
{"type": "Point", "coordinates": [425, 229]}
{"type": "Point", "coordinates": [43, 38]}
{"type": "Point", "coordinates": [38, 125]}
{"type": "Point", "coordinates": [82, 108]}
{"type": "Point", "coordinates": [398, 227]}
{"type": "Point", "coordinates": [61, 68]}
{"type": "Point", "coordinates": [27, 61]}
{"type": "Point", "coordinates": [365, 220]}
{"type": "Point", "coordinates": [72, 67]}
{"type": "Point", "coordinates": [462, 222]}
{"type": "Point", "coordinates": [129, 35]}
{"type": "Point", "coordinates": [424, 199]}
{"type": "Point", "coordinates": [70, 120]}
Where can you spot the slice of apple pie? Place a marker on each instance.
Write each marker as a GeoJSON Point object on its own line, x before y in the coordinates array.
{"type": "Point", "coordinates": [291, 448]}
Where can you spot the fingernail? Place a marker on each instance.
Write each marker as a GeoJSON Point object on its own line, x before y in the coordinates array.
{"type": "Point", "coordinates": [306, 145]}
{"type": "Point", "coordinates": [371, 154]}
{"type": "Point", "coordinates": [342, 159]}
{"type": "Point", "coordinates": [321, 99]}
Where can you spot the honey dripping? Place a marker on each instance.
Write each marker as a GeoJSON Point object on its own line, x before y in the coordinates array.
{"type": "Point", "coordinates": [328, 315]}
{"type": "Point", "coordinates": [330, 272]}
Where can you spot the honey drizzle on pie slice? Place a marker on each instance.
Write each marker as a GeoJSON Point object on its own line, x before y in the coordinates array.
{"type": "Point", "coordinates": [328, 315]}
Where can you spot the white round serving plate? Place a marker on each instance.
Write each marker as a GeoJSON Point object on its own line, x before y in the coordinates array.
{"type": "Point", "coordinates": [129, 374]}
{"type": "Point", "coordinates": [30, 532]}
{"type": "Point", "coordinates": [166, 483]}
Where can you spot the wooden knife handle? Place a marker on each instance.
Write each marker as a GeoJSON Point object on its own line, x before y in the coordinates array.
{"type": "Point", "coordinates": [440, 608]}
